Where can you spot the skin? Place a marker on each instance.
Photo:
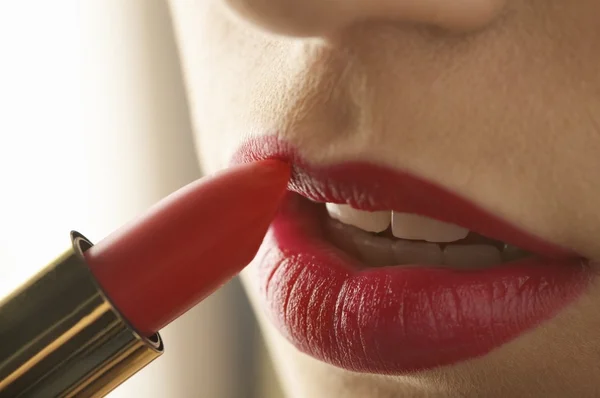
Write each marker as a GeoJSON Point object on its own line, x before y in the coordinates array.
{"type": "Point", "coordinates": [496, 100]}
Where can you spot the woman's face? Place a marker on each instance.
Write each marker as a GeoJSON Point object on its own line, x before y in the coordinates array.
{"type": "Point", "coordinates": [482, 113]}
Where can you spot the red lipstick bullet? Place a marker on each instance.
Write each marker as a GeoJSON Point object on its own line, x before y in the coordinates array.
{"type": "Point", "coordinates": [189, 244]}
{"type": "Point", "coordinates": [89, 321]}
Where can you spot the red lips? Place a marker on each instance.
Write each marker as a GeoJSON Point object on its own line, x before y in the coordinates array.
{"type": "Point", "coordinates": [397, 319]}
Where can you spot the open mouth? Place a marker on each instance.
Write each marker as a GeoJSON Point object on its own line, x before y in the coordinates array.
{"type": "Point", "coordinates": [375, 270]}
{"type": "Point", "coordinates": [387, 238]}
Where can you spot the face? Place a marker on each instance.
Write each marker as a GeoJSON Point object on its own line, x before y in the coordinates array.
{"type": "Point", "coordinates": [477, 114]}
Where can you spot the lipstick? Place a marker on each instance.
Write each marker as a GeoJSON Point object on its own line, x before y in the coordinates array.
{"type": "Point", "coordinates": [90, 320]}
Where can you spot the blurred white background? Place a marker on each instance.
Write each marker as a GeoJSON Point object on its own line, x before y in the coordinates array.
{"type": "Point", "coordinates": [94, 128]}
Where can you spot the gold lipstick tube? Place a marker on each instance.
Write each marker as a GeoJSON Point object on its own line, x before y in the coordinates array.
{"type": "Point", "coordinates": [61, 337]}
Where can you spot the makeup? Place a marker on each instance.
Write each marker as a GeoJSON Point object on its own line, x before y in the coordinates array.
{"type": "Point", "coordinates": [90, 320]}
{"type": "Point", "coordinates": [397, 319]}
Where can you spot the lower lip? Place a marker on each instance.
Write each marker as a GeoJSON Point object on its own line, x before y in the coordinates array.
{"type": "Point", "coordinates": [396, 320]}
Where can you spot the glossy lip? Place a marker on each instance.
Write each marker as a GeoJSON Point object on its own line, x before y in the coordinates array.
{"type": "Point", "coordinates": [394, 320]}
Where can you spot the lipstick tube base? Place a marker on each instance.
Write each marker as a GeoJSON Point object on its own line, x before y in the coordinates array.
{"type": "Point", "coordinates": [60, 336]}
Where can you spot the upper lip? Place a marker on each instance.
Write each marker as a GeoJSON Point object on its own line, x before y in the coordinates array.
{"type": "Point", "coordinates": [410, 194]}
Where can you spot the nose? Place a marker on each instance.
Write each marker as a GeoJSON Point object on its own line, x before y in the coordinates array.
{"type": "Point", "coordinates": [305, 18]}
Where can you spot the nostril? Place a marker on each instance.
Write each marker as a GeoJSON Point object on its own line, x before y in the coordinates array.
{"type": "Point", "coordinates": [320, 17]}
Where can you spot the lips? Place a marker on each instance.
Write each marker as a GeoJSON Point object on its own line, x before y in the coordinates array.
{"type": "Point", "coordinates": [394, 320]}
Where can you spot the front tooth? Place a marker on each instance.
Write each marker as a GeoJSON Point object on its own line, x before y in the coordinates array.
{"type": "Point", "coordinates": [471, 256]}
{"type": "Point", "coordinates": [416, 227]}
{"type": "Point", "coordinates": [377, 221]}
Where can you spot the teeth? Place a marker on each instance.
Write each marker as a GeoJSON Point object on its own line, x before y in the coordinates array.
{"type": "Point", "coordinates": [404, 225]}
{"type": "Point", "coordinates": [374, 250]}
{"type": "Point", "coordinates": [417, 253]}
{"type": "Point", "coordinates": [416, 227]}
{"type": "Point", "coordinates": [512, 253]}
{"type": "Point", "coordinates": [351, 234]}
{"type": "Point", "coordinates": [471, 256]}
{"type": "Point", "coordinates": [343, 236]}
{"type": "Point", "coordinates": [369, 221]}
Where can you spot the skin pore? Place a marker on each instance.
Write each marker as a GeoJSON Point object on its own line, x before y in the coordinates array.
{"type": "Point", "coordinates": [498, 101]}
